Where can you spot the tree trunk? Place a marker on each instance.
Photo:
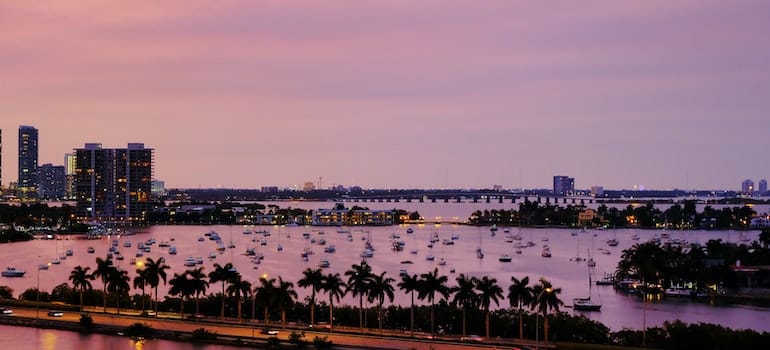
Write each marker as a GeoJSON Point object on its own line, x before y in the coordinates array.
{"type": "Point", "coordinates": [81, 299]}
{"type": "Point", "coordinates": [463, 321]}
{"type": "Point", "coordinates": [181, 307]}
{"type": "Point", "coordinates": [197, 305]}
{"type": "Point", "coordinates": [143, 298]}
{"type": "Point", "coordinates": [545, 329]}
{"type": "Point", "coordinates": [239, 309]}
{"type": "Point", "coordinates": [312, 308]}
{"type": "Point", "coordinates": [331, 316]}
{"type": "Point", "coordinates": [222, 311]}
{"type": "Point", "coordinates": [431, 320]}
{"type": "Point", "coordinates": [411, 315]}
{"type": "Point", "coordinates": [361, 313]}
{"type": "Point", "coordinates": [283, 318]}
{"type": "Point", "coordinates": [266, 316]}
{"type": "Point", "coordinates": [156, 302]}
{"type": "Point", "coordinates": [486, 321]}
{"type": "Point", "coordinates": [379, 317]}
{"type": "Point", "coordinates": [521, 325]}
{"type": "Point", "coordinates": [104, 296]}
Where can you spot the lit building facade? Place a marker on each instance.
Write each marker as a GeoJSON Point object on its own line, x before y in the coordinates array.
{"type": "Point", "coordinates": [26, 188]}
{"type": "Point", "coordinates": [69, 172]}
{"type": "Point", "coordinates": [114, 185]}
{"type": "Point", "coordinates": [51, 182]}
{"type": "Point", "coordinates": [339, 217]}
{"type": "Point", "coordinates": [762, 187]}
{"type": "Point", "coordinates": [1, 163]}
{"type": "Point", "coordinates": [563, 186]}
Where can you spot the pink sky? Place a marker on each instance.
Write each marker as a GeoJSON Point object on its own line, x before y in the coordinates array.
{"type": "Point", "coordinates": [406, 94]}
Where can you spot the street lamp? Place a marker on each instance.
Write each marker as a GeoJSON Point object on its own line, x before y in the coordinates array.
{"type": "Point", "coordinates": [537, 315]}
{"type": "Point", "coordinates": [37, 304]}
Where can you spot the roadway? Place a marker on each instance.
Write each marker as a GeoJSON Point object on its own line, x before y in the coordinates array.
{"type": "Point", "coordinates": [248, 330]}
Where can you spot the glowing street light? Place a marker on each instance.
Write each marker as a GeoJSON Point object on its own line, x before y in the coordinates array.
{"type": "Point", "coordinates": [537, 315]}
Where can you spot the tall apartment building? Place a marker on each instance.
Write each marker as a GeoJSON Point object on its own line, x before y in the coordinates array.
{"type": "Point", "coordinates": [69, 173]}
{"type": "Point", "coordinates": [51, 182]}
{"type": "Point", "coordinates": [113, 185]}
{"type": "Point", "coordinates": [1, 163]}
{"type": "Point", "coordinates": [747, 187]}
{"type": "Point", "coordinates": [762, 187]}
{"type": "Point", "coordinates": [27, 185]}
{"type": "Point", "coordinates": [563, 186]}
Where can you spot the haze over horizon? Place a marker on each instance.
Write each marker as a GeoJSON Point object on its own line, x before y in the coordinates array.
{"type": "Point", "coordinates": [397, 94]}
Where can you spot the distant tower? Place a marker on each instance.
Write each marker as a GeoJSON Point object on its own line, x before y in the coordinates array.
{"type": "Point", "coordinates": [563, 186]}
{"type": "Point", "coordinates": [114, 184]}
{"type": "Point", "coordinates": [1, 161]}
{"type": "Point", "coordinates": [747, 187]}
{"type": "Point", "coordinates": [762, 187]}
{"type": "Point", "coordinates": [51, 182]}
{"type": "Point", "coordinates": [27, 186]}
{"type": "Point", "coordinates": [70, 161]}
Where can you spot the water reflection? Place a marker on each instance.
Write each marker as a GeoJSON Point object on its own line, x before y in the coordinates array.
{"type": "Point", "coordinates": [562, 269]}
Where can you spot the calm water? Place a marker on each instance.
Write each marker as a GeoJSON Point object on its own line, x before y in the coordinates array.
{"type": "Point", "coordinates": [618, 310]}
{"type": "Point", "coordinates": [25, 338]}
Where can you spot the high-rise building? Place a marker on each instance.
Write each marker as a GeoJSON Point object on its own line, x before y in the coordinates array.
{"type": "Point", "coordinates": [597, 191]}
{"type": "Point", "coordinates": [27, 185]}
{"type": "Point", "coordinates": [51, 182]}
{"type": "Point", "coordinates": [762, 187]}
{"type": "Point", "coordinates": [747, 187]}
{"type": "Point", "coordinates": [563, 186]}
{"type": "Point", "coordinates": [114, 185]}
{"type": "Point", "coordinates": [158, 188]}
{"type": "Point", "coordinates": [1, 163]}
{"type": "Point", "coordinates": [69, 171]}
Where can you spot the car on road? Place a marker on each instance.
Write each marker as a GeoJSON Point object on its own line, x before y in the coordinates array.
{"type": "Point", "coordinates": [6, 311]}
{"type": "Point", "coordinates": [472, 338]}
{"type": "Point", "coordinates": [55, 313]}
{"type": "Point", "coordinates": [269, 331]}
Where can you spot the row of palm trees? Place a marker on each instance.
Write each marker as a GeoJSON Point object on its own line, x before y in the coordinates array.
{"type": "Point", "coordinates": [468, 293]}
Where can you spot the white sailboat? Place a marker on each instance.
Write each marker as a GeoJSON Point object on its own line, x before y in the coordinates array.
{"type": "Point", "coordinates": [586, 304]}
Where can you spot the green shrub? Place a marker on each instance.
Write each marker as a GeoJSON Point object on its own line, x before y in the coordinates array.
{"type": "Point", "coordinates": [86, 321]}
{"type": "Point", "coordinates": [203, 334]}
{"type": "Point", "coordinates": [140, 330]}
{"type": "Point", "coordinates": [298, 340]}
{"type": "Point", "coordinates": [322, 343]}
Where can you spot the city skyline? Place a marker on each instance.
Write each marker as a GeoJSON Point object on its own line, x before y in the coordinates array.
{"type": "Point", "coordinates": [396, 94]}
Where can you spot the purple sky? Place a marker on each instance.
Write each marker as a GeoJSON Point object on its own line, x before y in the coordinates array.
{"type": "Point", "coordinates": [406, 94]}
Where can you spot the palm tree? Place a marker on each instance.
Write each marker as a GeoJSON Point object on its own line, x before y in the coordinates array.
{"type": "Point", "coordinates": [311, 278]}
{"type": "Point", "coordinates": [81, 280]}
{"type": "Point", "coordinates": [154, 273]}
{"type": "Point", "coordinates": [489, 291]}
{"type": "Point", "coordinates": [465, 294]}
{"type": "Point", "coordinates": [546, 298]}
{"type": "Point", "coordinates": [266, 293]}
{"type": "Point", "coordinates": [379, 288]}
{"type": "Point", "coordinates": [199, 285]}
{"type": "Point", "coordinates": [140, 282]}
{"type": "Point", "coordinates": [332, 284]}
{"type": "Point", "coordinates": [284, 297]}
{"type": "Point", "coordinates": [358, 284]}
{"type": "Point", "coordinates": [222, 274]}
{"type": "Point", "coordinates": [410, 284]}
{"type": "Point", "coordinates": [181, 285]}
{"type": "Point", "coordinates": [103, 271]}
{"type": "Point", "coordinates": [118, 283]}
{"type": "Point", "coordinates": [431, 284]}
{"type": "Point", "coordinates": [520, 294]}
{"type": "Point", "coordinates": [237, 288]}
